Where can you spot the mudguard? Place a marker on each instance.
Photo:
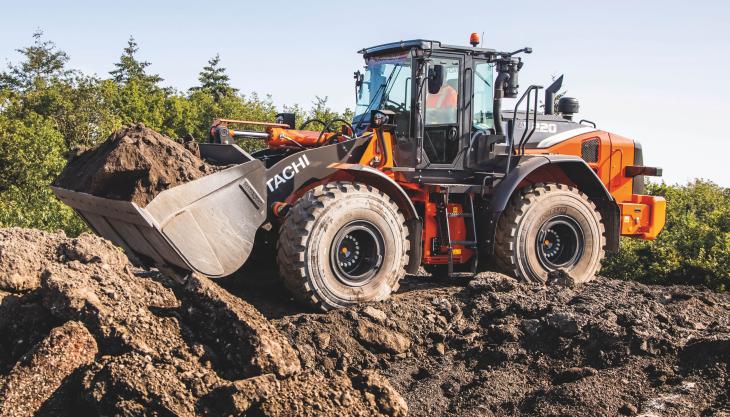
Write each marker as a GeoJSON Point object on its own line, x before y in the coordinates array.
{"type": "Point", "coordinates": [578, 171]}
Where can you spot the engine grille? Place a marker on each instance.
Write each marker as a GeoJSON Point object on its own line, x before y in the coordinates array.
{"type": "Point", "coordinates": [589, 150]}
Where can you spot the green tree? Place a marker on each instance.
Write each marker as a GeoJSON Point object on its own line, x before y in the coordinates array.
{"type": "Point", "coordinates": [214, 80]}
{"type": "Point", "coordinates": [31, 155]}
{"type": "Point", "coordinates": [42, 63]}
{"type": "Point", "coordinates": [319, 111]}
{"type": "Point", "coordinates": [130, 69]}
{"type": "Point", "coordinates": [41, 84]}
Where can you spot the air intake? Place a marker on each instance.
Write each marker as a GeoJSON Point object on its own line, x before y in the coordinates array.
{"type": "Point", "coordinates": [589, 150]}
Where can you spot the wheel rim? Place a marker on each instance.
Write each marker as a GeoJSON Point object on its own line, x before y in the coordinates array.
{"type": "Point", "coordinates": [559, 242]}
{"type": "Point", "coordinates": [356, 253]}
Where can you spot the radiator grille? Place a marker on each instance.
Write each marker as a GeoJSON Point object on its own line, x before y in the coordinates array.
{"type": "Point", "coordinates": [589, 150]}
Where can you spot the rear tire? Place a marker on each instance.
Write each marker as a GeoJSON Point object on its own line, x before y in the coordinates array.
{"type": "Point", "coordinates": [550, 227]}
{"type": "Point", "coordinates": [341, 244]}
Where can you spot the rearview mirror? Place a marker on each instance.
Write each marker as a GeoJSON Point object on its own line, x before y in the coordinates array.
{"type": "Point", "coordinates": [359, 79]}
{"type": "Point", "coordinates": [435, 78]}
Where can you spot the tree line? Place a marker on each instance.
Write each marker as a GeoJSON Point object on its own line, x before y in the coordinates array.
{"type": "Point", "coordinates": [49, 111]}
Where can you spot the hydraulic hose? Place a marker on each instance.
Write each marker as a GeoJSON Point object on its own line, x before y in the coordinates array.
{"type": "Point", "coordinates": [328, 126]}
{"type": "Point", "coordinates": [308, 122]}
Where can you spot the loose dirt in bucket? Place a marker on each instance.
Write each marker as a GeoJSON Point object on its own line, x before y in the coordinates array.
{"type": "Point", "coordinates": [133, 164]}
{"type": "Point", "coordinates": [96, 336]}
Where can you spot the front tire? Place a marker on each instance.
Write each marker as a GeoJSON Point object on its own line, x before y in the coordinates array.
{"type": "Point", "coordinates": [341, 244]}
{"type": "Point", "coordinates": [550, 227]}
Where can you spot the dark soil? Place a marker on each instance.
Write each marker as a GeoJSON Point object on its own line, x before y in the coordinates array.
{"type": "Point", "coordinates": [96, 336]}
{"type": "Point", "coordinates": [133, 164]}
{"type": "Point", "coordinates": [497, 347]}
{"type": "Point", "coordinates": [493, 346]}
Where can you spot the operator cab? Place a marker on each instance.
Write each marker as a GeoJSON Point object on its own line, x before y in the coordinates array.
{"type": "Point", "coordinates": [442, 99]}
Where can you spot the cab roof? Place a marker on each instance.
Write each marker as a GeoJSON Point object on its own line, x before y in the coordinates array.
{"type": "Point", "coordinates": [426, 45]}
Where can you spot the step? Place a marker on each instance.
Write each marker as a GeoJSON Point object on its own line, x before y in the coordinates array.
{"type": "Point", "coordinates": [460, 215]}
{"type": "Point", "coordinates": [469, 243]}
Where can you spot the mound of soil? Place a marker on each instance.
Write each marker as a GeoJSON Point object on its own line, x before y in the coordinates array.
{"type": "Point", "coordinates": [91, 335]}
{"type": "Point", "coordinates": [133, 164]}
{"type": "Point", "coordinates": [498, 347]}
{"type": "Point", "coordinates": [40, 373]}
{"type": "Point", "coordinates": [110, 339]}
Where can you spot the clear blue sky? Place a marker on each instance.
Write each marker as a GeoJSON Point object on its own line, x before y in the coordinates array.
{"type": "Point", "coordinates": [656, 71]}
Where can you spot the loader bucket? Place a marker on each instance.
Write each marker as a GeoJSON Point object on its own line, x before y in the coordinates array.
{"type": "Point", "coordinates": [207, 225]}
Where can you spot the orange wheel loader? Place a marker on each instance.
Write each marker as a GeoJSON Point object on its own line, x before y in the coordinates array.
{"type": "Point", "coordinates": [431, 172]}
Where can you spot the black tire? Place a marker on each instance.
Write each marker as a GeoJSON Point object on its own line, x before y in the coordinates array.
{"type": "Point", "coordinates": [321, 240]}
{"type": "Point", "coordinates": [549, 227]}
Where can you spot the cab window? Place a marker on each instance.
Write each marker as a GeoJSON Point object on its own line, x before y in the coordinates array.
{"type": "Point", "coordinates": [483, 102]}
{"type": "Point", "coordinates": [442, 107]}
{"type": "Point", "coordinates": [441, 138]}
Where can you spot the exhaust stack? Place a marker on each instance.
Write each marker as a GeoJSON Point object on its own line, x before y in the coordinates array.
{"type": "Point", "coordinates": [550, 95]}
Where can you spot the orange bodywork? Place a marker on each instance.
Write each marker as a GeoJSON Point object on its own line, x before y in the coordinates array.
{"type": "Point", "coordinates": [379, 152]}
{"type": "Point", "coordinates": [457, 231]}
{"type": "Point", "coordinates": [642, 216]}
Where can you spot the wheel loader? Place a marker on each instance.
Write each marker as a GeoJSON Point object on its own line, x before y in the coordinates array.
{"type": "Point", "coordinates": [432, 172]}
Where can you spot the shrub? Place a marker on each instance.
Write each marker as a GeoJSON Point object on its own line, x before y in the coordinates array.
{"type": "Point", "coordinates": [694, 247]}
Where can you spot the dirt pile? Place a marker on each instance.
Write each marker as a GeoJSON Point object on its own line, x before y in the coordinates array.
{"type": "Point", "coordinates": [109, 339]}
{"type": "Point", "coordinates": [22, 256]}
{"type": "Point", "coordinates": [497, 347]}
{"type": "Point", "coordinates": [133, 164]}
{"type": "Point", "coordinates": [88, 334]}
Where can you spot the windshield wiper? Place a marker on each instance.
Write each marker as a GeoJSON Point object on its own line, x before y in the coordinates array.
{"type": "Point", "coordinates": [386, 94]}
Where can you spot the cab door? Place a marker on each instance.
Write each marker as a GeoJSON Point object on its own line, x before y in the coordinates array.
{"type": "Point", "coordinates": [442, 125]}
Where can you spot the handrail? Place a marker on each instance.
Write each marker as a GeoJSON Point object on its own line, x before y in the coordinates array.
{"type": "Point", "coordinates": [525, 136]}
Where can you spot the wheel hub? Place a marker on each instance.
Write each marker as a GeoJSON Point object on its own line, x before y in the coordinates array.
{"type": "Point", "coordinates": [559, 242]}
{"type": "Point", "coordinates": [357, 253]}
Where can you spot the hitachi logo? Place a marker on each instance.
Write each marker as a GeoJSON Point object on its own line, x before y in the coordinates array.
{"type": "Point", "coordinates": [287, 173]}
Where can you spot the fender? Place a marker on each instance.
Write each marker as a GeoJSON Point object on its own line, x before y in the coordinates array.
{"type": "Point", "coordinates": [384, 183]}
{"type": "Point", "coordinates": [578, 171]}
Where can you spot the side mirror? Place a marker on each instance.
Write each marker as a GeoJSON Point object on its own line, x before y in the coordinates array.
{"type": "Point", "coordinates": [435, 78]}
{"type": "Point", "coordinates": [359, 79]}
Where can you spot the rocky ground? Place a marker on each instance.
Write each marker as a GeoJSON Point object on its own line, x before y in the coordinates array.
{"type": "Point", "coordinates": [82, 332]}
